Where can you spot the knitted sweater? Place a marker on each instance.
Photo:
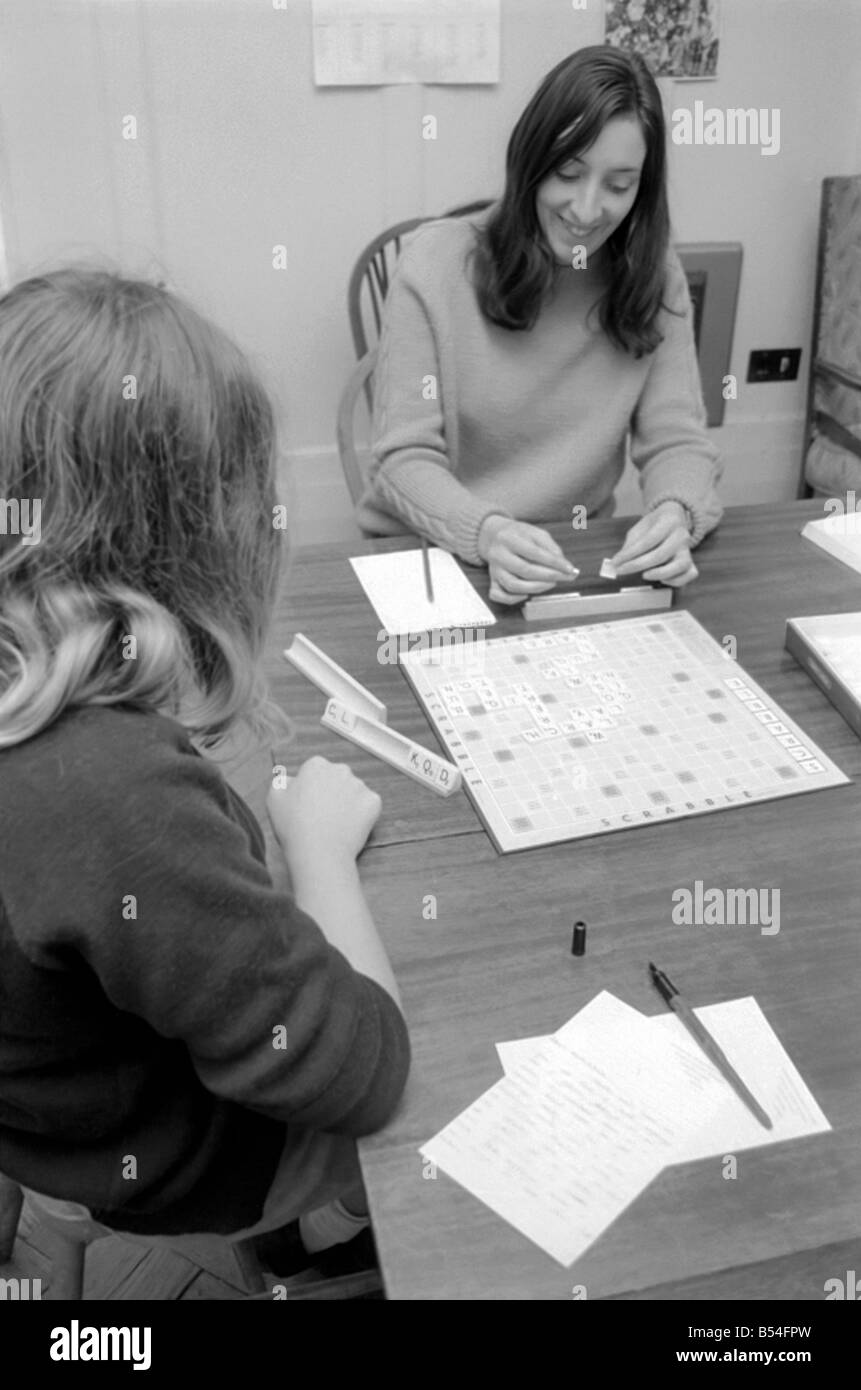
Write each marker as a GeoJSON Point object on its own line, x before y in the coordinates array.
{"type": "Point", "coordinates": [472, 419]}
{"type": "Point", "coordinates": [145, 961]}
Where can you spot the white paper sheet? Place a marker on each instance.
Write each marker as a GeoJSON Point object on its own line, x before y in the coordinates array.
{"type": "Point", "coordinates": [739, 1027]}
{"type": "Point", "coordinates": [517, 1050]}
{"type": "Point", "coordinates": [377, 42]}
{"type": "Point", "coordinates": [584, 1119]}
{"type": "Point", "coordinates": [572, 1135]}
{"type": "Point", "coordinates": [395, 585]}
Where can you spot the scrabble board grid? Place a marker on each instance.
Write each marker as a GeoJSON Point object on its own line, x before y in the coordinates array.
{"type": "Point", "coordinates": [583, 731]}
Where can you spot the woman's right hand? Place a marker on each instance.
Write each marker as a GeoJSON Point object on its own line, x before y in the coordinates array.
{"type": "Point", "coordinates": [522, 559]}
{"type": "Point", "coordinates": [325, 807]}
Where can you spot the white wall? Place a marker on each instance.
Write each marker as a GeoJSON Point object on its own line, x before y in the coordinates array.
{"type": "Point", "coordinates": [237, 151]}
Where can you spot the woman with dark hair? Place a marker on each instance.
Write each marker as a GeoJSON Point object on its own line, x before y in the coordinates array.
{"type": "Point", "coordinates": [524, 346]}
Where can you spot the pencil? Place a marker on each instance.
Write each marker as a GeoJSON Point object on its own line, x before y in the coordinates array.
{"type": "Point", "coordinates": [698, 1031]}
{"type": "Point", "coordinates": [426, 563]}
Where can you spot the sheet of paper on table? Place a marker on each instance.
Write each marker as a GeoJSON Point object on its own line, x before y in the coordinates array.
{"type": "Point", "coordinates": [395, 586]}
{"type": "Point", "coordinates": [572, 1135]}
{"type": "Point", "coordinates": [584, 1119]}
{"type": "Point", "coordinates": [744, 1033]}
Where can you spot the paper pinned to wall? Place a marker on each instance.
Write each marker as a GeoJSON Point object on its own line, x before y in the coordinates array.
{"type": "Point", "coordinates": [369, 43]}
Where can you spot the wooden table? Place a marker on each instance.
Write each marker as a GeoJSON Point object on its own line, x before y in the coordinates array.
{"type": "Point", "coordinates": [496, 964]}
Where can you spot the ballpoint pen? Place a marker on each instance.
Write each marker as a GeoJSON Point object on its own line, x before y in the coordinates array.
{"type": "Point", "coordinates": [698, 1031]}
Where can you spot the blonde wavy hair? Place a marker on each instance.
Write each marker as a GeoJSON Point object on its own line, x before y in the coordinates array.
{"type": "Point", "coordinates": [150, 445]}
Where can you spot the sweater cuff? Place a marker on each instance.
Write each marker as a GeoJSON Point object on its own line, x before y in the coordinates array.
{"type": "Point", "coordinates": [467, 524]}
{"type": "Point", "coordinates": [694, 515]}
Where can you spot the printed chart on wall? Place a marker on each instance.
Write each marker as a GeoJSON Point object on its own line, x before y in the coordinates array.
{"type": "Point", "coordinates": [565, 734]}
{"type": "Point", "coordinates": [379, 42]}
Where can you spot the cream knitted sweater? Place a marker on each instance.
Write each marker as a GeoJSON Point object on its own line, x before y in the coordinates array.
{"type": "Point", "coordinates": [472, 419]}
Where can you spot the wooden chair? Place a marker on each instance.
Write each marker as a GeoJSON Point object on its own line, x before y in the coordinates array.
{"type": "Point", "coordinates": [372, 273]}
{"type": "Point", "coordinates": [366, 296]}
{"type": "Point", "coordinates": [345, 425]}
{"type": "Point", "coordinates": [68, 1230]}
{"type": "Point", "coordinates": [369, 283]}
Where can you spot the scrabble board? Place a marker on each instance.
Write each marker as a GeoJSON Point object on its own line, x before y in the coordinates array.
{"type": "Point", "coordinates": [582, 731]}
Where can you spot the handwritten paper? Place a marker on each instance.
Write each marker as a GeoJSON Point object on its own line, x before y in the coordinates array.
{"type": "Point", "coordinates": [377, 42]}
{"type": "Point", "coordinates": [395, 585]}
{"type": "Point", "coordinates": [570, 1137]}
{"type": "Point", "coordinates": [527, 1149]}
{"type": "Point", "coordinates": [747, 1038]}
{"type": "Point", "coordinates": [754, 1049]}
{"type": "Point", "coordinates": [584, 1119]}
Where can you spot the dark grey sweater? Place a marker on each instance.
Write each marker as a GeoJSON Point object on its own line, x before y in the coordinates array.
{"type": "Point", "coordinates": [145, 960]}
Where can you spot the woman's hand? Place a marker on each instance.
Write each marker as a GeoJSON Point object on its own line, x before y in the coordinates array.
{"type": "Point", "coordinates": [324, 809]}
{"type": "Point", "coordinates": [658, 547]}
{"type": "Point", "coordinates": [522, 559]}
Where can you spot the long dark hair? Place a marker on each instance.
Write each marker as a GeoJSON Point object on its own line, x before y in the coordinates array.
{"type": "Point", "coordinates": [513, 265]}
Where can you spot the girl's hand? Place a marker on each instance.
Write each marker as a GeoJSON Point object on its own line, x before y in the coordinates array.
{"type": "Point", "coordinates": [522, 559]}
{"type": "Point", "coordinates": [324, 808]}
{"type": "Point", "coordinates": [658, 547]}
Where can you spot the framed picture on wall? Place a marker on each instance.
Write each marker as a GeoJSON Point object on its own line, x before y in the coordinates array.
{"type": "Point", "coordinates": [677, 38]}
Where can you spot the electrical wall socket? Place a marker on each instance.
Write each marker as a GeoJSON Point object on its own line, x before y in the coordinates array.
{"type": "Point", "coordinates": [774, 364]}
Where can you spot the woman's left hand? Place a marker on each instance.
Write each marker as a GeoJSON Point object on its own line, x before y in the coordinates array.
{"type": "Point", "coordinates": [658, 547]}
